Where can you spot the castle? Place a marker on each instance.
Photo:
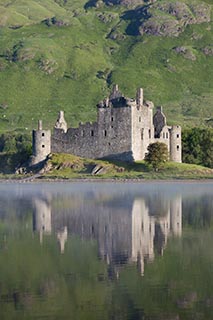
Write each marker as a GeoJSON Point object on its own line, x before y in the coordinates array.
{"type": "Point", "coordinates": [124, 129]}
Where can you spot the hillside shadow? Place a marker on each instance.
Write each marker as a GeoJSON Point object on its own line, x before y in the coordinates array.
{"type": "Point", "coordinates": [136, 17]}
{"type": "Point", "coordinates": [90, 4]}
{"type": "Point", "coordinates": [130, 166]}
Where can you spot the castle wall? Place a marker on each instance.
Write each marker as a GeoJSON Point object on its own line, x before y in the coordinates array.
{"type": "Point", "coordinates": [142, 130]}
{"type": "Point", "coordinates": [109, 137]}
{"type": "Point", "coordinates": [81, 141]}
{"type": "Point", "coordinates": [164, 137]}
{"type": "Point", "coordinates": [114, 126]}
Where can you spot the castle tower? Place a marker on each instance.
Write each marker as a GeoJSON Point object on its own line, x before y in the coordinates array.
{"type": "Point", "coordinates": [61, 123]}
{"type": "Point", "coordinates": [41, 144]}
{"type": "Point", "coordinates": [175, 144]}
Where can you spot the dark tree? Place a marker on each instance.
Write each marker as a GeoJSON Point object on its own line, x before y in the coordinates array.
{"type": "Point", "coordinates": [198, 146]}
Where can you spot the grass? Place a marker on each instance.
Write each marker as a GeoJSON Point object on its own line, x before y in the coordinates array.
{"type": "Point", "coordinates": [67, 166]}
{"type": "Point", "coordinates": [64, 166]}
{"type": "Point", "coordinates": [47, 68]}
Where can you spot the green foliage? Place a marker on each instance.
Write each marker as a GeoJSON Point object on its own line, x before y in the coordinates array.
{"type": "Point", "coordinates": [57, 55]}
{"type": "Point", "coordinates": [15, 150]}
{"type": "Point", "coordinates": [198, 146]}
{"type": "Point", "coordinates": [157, 155]}
{"type": "Point", "coordinates": [15, 143]}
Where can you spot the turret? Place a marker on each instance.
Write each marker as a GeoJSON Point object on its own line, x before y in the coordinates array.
{"type": "Point", "coordinates": [175, 144]}
{"type": "Point", "coordinates": [61, 123]}
{"type": "Point", "coordinates": [41, 144]}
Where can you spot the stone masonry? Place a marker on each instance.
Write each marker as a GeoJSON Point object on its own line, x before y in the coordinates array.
{"type": "Point", "coordinates": [123, 130]}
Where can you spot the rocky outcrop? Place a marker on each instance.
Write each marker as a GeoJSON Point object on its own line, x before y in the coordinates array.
{"type": "Point", "coordinates": [171, 18]}
{"type": "Point", "coordinates": [208, 51]}
{"type": "Point", "coordinates": [186, 52]}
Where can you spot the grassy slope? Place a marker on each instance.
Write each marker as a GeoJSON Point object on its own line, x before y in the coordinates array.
{"type": "Point", "coordinates": [44, 69]}
{"type": "Point", "coordinates": [65, 166]}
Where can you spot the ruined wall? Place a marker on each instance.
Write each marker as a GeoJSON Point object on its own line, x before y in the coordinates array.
{"type": "Point", "coordinates": [109, 137]}
{"type": "Point", "coordinates": [81, 141]}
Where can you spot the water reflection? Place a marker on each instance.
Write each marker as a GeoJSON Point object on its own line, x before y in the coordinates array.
{"type": "Point", "coordinates": [128, 229]}
{"type": "Point", "coordinates": [77, 251]}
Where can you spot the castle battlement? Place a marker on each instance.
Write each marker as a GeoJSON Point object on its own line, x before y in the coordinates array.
{"type": "Point", "coordinates": [124, 129]}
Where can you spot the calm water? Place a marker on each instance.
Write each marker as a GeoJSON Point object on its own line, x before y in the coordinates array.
{"type": "Point", "coordinates": [106, 251]}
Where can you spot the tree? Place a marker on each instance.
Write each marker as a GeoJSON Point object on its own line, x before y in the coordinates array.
{"type": "Point", "coordinates": [157, 155]}
{"type": "Point", "coordinates": [198, 146]}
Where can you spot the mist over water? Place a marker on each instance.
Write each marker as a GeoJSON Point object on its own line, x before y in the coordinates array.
{"type": "Point", "coordinates": [106, 250]}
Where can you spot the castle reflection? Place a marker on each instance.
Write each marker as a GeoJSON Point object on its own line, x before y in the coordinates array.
{"type": "Point", "coordinates": [128, 230]}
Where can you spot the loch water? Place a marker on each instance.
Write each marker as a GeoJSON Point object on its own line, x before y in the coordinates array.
{"type": "Point", "coordinates": [108, 251]}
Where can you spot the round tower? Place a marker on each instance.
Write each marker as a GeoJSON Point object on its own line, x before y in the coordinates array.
{"type": "Point", "coordinates": [41, 143]}
{"type": "Point", "coordinates": [175, 144]}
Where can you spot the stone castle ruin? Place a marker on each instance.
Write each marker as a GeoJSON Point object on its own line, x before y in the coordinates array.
{"type": "Point", "coordinates": [124, 129]}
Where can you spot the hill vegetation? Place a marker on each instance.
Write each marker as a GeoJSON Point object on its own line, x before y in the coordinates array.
{"type": "Point", "coordinates": [66, 54]}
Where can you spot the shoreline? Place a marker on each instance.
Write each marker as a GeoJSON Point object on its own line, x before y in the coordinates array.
{"type": "Point", "coordinates": [105, 180]}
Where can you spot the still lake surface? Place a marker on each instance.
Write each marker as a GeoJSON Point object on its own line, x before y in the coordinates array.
{"type": "Point", "coordinates": [106, 251]}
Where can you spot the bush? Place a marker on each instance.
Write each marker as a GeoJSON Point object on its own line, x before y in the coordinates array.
{"type": "Point", "coordinates": [157, 155]}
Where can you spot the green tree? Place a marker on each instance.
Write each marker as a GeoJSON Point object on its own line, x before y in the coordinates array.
{"type": "Point", "coordinates": [157, 155]}
{"type": "Point", "coordinates": [198, 146]}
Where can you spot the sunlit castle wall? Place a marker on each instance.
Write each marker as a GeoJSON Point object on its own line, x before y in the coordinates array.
{"type": "Point", "coordinates": [175, 144]}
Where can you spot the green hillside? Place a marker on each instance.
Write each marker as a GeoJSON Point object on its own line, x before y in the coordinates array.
{"type": "Point", "coordinates": [66, 54]}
